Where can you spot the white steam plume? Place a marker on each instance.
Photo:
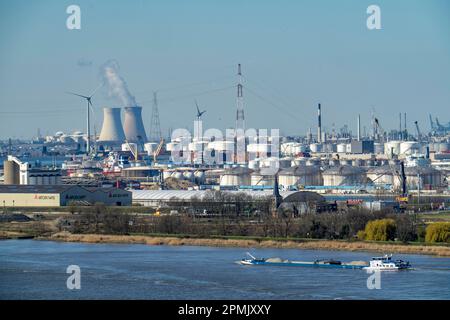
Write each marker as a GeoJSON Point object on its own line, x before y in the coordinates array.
{"type": "Point", "coordinates": [117, 86]}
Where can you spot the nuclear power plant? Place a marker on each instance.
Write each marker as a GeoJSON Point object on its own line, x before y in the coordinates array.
{"type": "Point", "coordinates": [133, 125]}
{"type": "Point", "coordinates": [112, 130]}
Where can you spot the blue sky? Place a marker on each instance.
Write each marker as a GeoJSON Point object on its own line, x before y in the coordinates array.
{"type": "Point", "coordinates": [294, 54]}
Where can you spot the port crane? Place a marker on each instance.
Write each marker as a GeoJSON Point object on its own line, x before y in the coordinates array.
{"type": "Point", "coordinates": [419, 134]}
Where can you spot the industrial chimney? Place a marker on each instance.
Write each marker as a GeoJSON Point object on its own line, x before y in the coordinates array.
{"type": "Point", "coordinates": [133, 125]}
{"type": "Point", "coordinates": [112, 130]}
{"type": "Point", "coordinates": [319, 125]}
{"type": "Point", "coordinates": [359, 127]}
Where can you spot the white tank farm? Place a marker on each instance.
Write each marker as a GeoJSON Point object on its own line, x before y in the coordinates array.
{"type": "Point", "coordinates": [301, 175]}
{"type": "Point", "coordinates": [428, 178]}
{"type": "Point", "coordinates": [344, 175]}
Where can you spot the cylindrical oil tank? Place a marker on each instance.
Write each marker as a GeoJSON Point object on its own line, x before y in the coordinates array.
{"type": "Point", "coordinates": [392, 147]}
{"type": "Point", "coordinates": [260, 179]}
{"type": "Point", "coordinates": [315, 147]}
{"type": "Point", "coordinates": [188, 175]}
{"type": "Point", "coordinates": [409, 147]}
{"type": "Point", "coordinates": [341, 148]}
{"type": "Point", "coordinates": [32, 180]}
{"type": "Point", "coordinates": [378, 148]}
{"type": "Point", "coordinates": [304, 175]}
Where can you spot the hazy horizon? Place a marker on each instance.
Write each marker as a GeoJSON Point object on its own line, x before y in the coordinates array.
{"type": "Point", "coordinates": [294, 54]}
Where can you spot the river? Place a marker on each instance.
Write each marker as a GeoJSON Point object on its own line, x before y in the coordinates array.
{"type": "Point", "coordinates": [31, 269]}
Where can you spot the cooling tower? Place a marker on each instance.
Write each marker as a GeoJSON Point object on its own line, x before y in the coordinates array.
{"type": "Point", "coordinates": [133, 125]}
{"type": "Point", "coordinates": [112, 130]}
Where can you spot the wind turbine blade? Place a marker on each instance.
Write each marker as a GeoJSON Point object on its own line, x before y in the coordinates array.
{"type": "Point", "coordinates": [101, 85]}
{"type": "Point", "coordinates": [76, 94]}
{"type": "Point", "coordinates": [196, 104]}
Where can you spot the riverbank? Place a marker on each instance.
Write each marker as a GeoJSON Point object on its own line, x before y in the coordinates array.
{"type": "Point", "coordinates": [442, 251]}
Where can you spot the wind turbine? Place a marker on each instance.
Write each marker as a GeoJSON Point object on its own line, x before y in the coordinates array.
{"type": "Point", "coordinates": [89, 105]}
{"type": "Point", "coordinates": [199, 113]}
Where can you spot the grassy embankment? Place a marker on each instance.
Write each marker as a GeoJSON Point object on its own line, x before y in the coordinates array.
{"type": "Point", "coordinates": [256, 242]}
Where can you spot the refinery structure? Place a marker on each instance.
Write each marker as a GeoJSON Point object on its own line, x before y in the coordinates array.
{"type": "Point", "coordinates": [408, 161]}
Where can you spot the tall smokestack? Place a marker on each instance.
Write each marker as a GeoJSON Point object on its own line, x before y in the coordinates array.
{"type": "Point", "coordinates": [133, 125]}
{"type": "Point", "coordinates": [319, 125]}
{"type": "Point", "coordinates": [359, 127]}
{"type": "Point", "coordinates": [112, 130]}
{"type": "Point", "coordinates": [400, 129]}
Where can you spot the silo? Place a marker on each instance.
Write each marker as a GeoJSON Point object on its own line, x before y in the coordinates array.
{"type": "Point", "coordinates": [133, 125]}
{"type": "Point", "coordinates": [238, 176]}
{"type": "Point", "coordinates": [301, 175]}
{"type": "Point", "coordinates": [262, 178]}
{"type": "Point", "coordinates": [381, 175]}
{"type": "Point", "coordinates": [11, 172]}
{"type": "Point", "coordinates": [112, 130]}
{"type": "Point", "coordinates": [409, 147]}
{"type": "Point", "coordinates": [344, 176]}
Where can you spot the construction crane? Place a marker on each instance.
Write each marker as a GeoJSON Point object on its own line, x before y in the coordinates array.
{"type": "Point", "coordinates": [158, 150]}
{"type": "Point", "coordinates": [419, 134]}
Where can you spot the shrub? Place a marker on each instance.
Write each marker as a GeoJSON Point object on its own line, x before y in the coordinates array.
{"type": "Point", "coordinates": [380, 230]}
{"type": "Point", "coordinates": [438, 232]}
{"type": "Point", "coordinates": [361, 235]}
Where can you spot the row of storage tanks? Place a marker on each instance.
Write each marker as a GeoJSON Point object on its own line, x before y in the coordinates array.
{"type": "Point", "coordinates": [388, 148]}
{"type": "Point", "coordinates": [342, 175]}
{"type": "Point", "coordinates": [295, 148]}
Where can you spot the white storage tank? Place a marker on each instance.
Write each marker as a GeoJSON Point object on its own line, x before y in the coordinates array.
{"type": "Point", "coordinates": [409, 147]}
{"type": "Point", "coordinates": [315, 147]}
{"type": "Point", "coordinates": [301, 175]}
{"type": "Point", "coordinates": [378, 148]}
{"type": "Point", "coordinates": [341, 148]}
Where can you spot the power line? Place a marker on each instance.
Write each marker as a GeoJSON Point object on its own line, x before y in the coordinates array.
{"type": "Point", "coordinates": [271, 103]}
